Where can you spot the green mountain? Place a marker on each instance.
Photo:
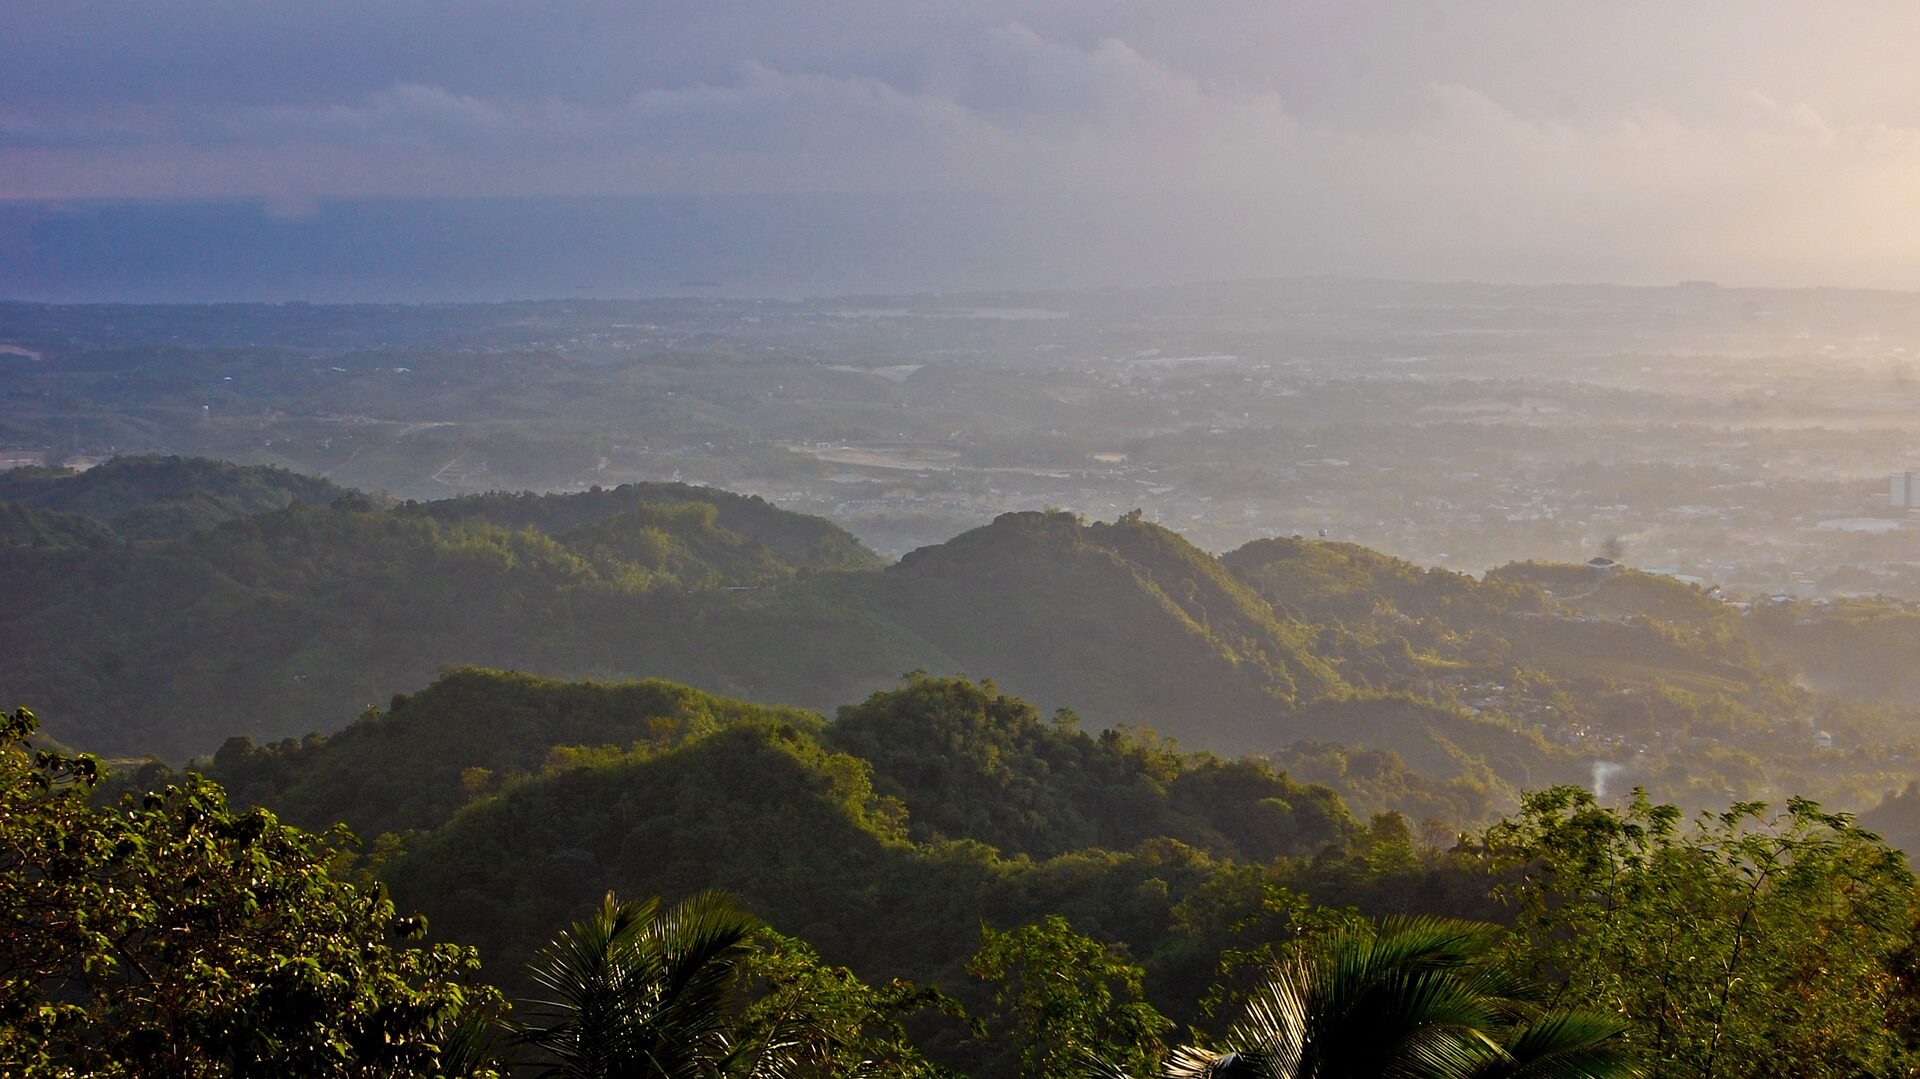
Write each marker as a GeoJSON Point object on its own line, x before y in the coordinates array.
{"type": "Point", "coordinates": [155, 497]}
{"type": "Point", "coordinates": [961, 760]}
{"type": "Point", "coordinates": [286, 621]}
{"type": "Point", "coordinates": [1640, 678]}
{"type": "Point", "coordinates": [1322, 581]}
{"type": "Point", "coordinates": [338, 608]}
{"type": "Point", "coordinates": [794, 539]}
{"type": "Point", "coordinates": [21, 525]}
{"type": "Point", "coordinates": [970, 762]}
{"type": "Point", "coordinates": [873, 836]}
{"type": "Point", "coordinates": [293, 620]}
{"type": "Point", "coordinates": [466, 735]}
{"type": "Point", "coordinates": [1126, 621]}
{"type": "Point", "coordinates": [885, 837]}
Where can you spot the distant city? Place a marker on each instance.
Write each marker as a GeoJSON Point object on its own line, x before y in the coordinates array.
{"type": "Point", "coordinates": [1696, 431]}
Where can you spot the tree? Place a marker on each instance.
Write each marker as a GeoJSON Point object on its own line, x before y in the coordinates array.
{"type": "Point", "coordinates": [636, 992]}
{"type": "Point", "coordinates": [1061, 997]}
{"type": "Point", "coordinates": [1414, 999]}
{"type": "Point", "coordinates": [1751, 944]}
{"type": "Point", "coordinates": [704, 990]}
{"type": "Point", "coordinates": [172, 936]}
{"type": "Point", "coordinates": [840, 1027]}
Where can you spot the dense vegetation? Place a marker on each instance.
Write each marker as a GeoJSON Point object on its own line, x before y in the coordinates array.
{"type": "Point", "coordinates": [1862, 647]}
{"type": "Point", "coordinates": [1426, 692]}
{"type": "Point", "coordinates": [23, 526]}
{"type": "Point", "coordinates": [939, 789]}
{"type": "Point", "coordinates": [943, 879]}
{"type": "Point", "coordinates": [173, 935]}
{"type": "Point", "coordinates": [1549, 821]}
{"type": "Point", "coordinates": [921, 890]}
{"type": "Point", "coordinates": [163, 497]}
{"type": "Point", "coordinates": [786, 538]}
{"type": "Point", "coordinates": [272, 623]}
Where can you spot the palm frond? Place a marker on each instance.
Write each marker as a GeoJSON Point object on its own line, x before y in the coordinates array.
{"type": "Point", "coordinates": [1413, 998]}
{"type": "Point", "coordinates": [1188, 1062]}
{"type": "Point", "coordinates": [1565, 1045]}
{"type": "Point", "coordinates": [632, 991]}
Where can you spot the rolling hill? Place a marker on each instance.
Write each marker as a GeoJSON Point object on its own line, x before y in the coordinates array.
{"type": "Point", "coordinates": [153, 497]}
{"type": "Point", "coordinates": [294, 620]}
{"type": "Point", "coordinates": [884, 837]}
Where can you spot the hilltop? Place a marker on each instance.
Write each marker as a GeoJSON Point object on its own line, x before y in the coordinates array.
{"type": "Point", "coordinates": [883, 836]}
{"type": "Point", "coordinates": [791, 538]}
{"type": "Point", "coordinates": [1430, 692]}
{"type": "Point", "coordinates": [155, 497]}
{"type": "Point", "coordinates": [1126, 621]}
{"type": "Point", "coordinates": [293, 619]}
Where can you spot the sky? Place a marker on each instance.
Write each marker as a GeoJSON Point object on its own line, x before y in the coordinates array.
{"type": "Point", "coordinates": [933, 144]}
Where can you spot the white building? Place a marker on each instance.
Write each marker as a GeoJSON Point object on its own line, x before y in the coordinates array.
{"type": "Point", "coordinates": [1905, 492]}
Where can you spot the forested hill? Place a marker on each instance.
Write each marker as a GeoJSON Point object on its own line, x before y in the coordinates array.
{"type": "Point", "coordinates": [963, 760]}
{"type": "Point", "coordinates": [795, 538]}
{"type": "Point", "coordinates": [885, 836]}
{"type": "Point", "coordinates": [294, 620]}
{"type": "Point", "coordinates": [1126, 622]}
{"type": "Point", "coordinates": [21, 525]}
{"type": "Point", "coordinates": [163, 497]}
{"type": "Point", "coordinates": [1430, 692]}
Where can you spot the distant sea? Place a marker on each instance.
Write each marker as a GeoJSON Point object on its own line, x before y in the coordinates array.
{"type": "Point", "coordinates": [429, 250]}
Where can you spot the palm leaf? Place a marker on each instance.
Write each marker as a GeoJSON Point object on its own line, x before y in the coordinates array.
{"type": "Point", "coordinates": [1412, 999]}
{"type": "Point", "coordinates": [634, 992]}
{"type": "Point", "coordinates": [1566, 1045]}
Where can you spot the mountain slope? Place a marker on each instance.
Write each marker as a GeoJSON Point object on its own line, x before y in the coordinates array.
{"type": "Point", "coordinates": [21, 525]}
{"type": "Point", "coordinates": [793, 538]}
{"type": "Point", "coordinates": [335, 609]}
{"type": "Point", "coordinates": [964, 761]}
{"type": "Point", "coordinates": [1125, 620]}
{"type": "Point", "coordinates": [1868, 648]}
{"type": "Point", "coordinates": [294, 621]}
{"type": "Point", "coordinates": [164, 497]}
{"type": "Point", "coordinates": [822, 840]}
{"type": "Point", "coordinates": [464, 736]}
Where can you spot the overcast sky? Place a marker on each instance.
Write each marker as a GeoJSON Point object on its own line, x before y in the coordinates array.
{"type": "Point", "coordinates": [1750, 142]}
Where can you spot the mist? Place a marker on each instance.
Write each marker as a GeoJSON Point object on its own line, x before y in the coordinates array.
{"type": "Point", "coordinates": [796, 148]}
{"type": "Point", "coordinates": [1311, 459]}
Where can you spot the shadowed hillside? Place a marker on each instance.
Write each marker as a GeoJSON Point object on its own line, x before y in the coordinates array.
{"type": "Point", "coordinates": [293, 620]}
{"type": "Point", "coordinates": [1124, 620]}
{"type": "Point", "coordinates": [286, 622]}
{"type": "Point", "coordinates": [21, 525]}
{"type": "Point", "coordinates": [867, 836]}
{"type": "Point", "coordinates": [164, 497]}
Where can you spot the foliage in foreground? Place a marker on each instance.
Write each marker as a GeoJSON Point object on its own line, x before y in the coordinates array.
{"type": "Point", "coordinates": [1748, 944]}
{"type": "Point", "coordinates": [171, 935]}
{"type": "Point", "coordinates": [174, 936]}
{"type": "Point", "coordinates": [635, 991]}
{"type": "Point", "coordinates": [1416, 998]}
{"type": "Point", "coordinates": [1062, 998]}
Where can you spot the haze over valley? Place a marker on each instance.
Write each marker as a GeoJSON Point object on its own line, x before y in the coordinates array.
{"type": "Point", "coordinates": [1008, 540]}
{"type": "Point", "coordinates": [1733, 437]}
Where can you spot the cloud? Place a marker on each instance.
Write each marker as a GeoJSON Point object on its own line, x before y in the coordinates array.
{"type": "Point", "coordinates": [1025, 112]}
{"type": "Point", "coordinates": [1466, 138]}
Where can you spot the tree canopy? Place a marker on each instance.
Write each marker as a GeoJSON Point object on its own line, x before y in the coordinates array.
{"type": "Point", "coordinates": [172, 935]}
